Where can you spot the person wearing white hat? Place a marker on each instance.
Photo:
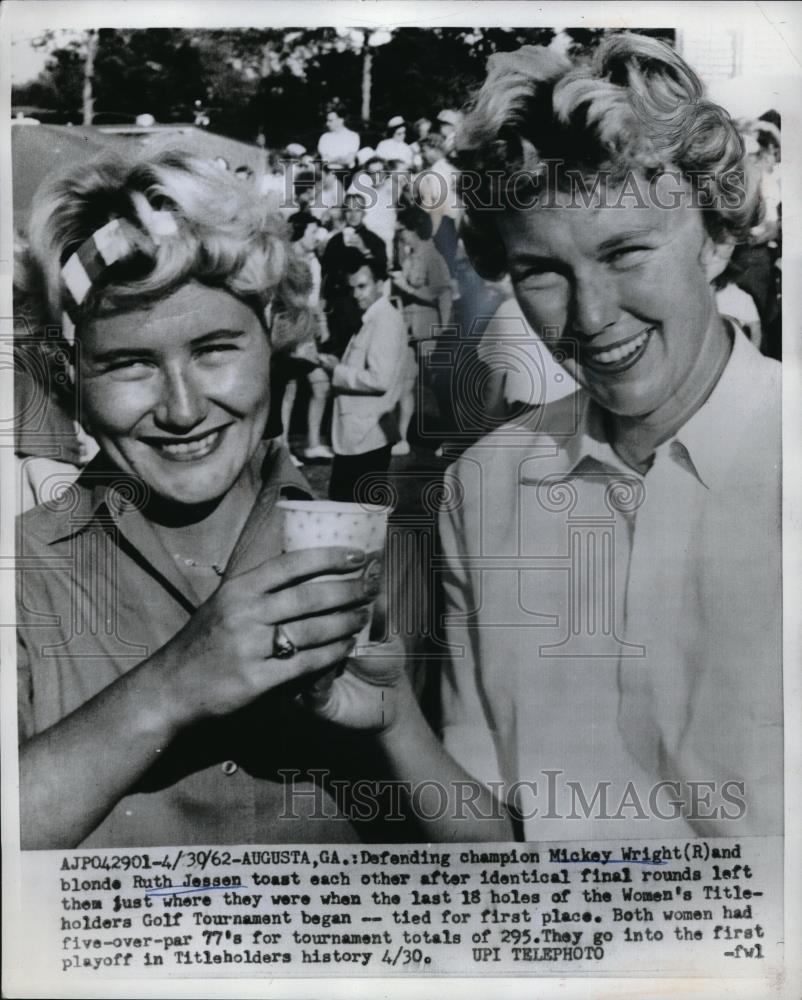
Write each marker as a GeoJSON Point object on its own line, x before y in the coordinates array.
{"type": "Point", "coordinates": [394, 146]}
{"type": "Point", "coordinates": [365, 155]}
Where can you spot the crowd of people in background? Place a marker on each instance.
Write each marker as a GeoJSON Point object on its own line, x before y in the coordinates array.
{"type": "Point", "coordinates": [323, 301]}
{"type": "Point", "coordinates": [394, 209]}
{"type": "Point", "coordinates": [396, 205]}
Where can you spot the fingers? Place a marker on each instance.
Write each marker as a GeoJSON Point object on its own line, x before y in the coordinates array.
{"type": "Point", "coordinates": [324, 629]}
{"type": "Point", "coordinates": [303, 564]}
{"type": "Point", "coordinates": [308, 661]}
{"type": "Point", "coordinates": [318, 597]}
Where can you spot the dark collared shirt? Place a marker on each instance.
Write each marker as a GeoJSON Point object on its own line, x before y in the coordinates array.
{"type": "Point", "coordinates": [97, 594]}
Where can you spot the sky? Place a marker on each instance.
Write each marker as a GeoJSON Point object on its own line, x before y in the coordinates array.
{"type": "Point", "coordinates": [27, 61]}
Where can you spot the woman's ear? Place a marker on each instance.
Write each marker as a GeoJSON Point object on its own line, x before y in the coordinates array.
{"type": "Point", "coordinates": [716, 256]}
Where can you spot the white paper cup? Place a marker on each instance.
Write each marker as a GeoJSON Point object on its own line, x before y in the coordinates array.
{"type": "Point", "coordinates": [312, 524]}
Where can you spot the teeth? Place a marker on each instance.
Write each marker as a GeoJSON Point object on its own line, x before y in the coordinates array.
{"type": "Point", "coordinates": [619, 353]}
{"type": "Point", "coordinates": [191, 447]}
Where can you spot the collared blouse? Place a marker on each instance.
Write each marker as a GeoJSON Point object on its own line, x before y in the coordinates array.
{"type": "Point", "coordinates": [611, 632]}
{"type": "Point", "coordinates": [97, 594]}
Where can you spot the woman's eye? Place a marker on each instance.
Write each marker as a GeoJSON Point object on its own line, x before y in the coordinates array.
{"type": "Point", "coordinates": [629, 256]}
{"type": "Point", "coordinates": [537, 279]}
{"type": "Point", "coordinates": [131, 366]}
{"type": "Point", "coordinates": [212, 350]}
{"type": "Point", "coordinates": [533, 272]}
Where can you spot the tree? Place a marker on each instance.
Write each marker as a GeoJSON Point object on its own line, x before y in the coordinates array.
{"type": "Point", "coordinates": [277, 81]}
{"type": "Point", "coordinates": [122, 73]}
{"type": "Point", "coordinates": [89, 73]}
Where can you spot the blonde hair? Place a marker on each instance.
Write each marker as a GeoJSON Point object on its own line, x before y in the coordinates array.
{"type": "Point", "coordinates": [224, 236]}
{"type": "Point", "coordinates": [635, 106]}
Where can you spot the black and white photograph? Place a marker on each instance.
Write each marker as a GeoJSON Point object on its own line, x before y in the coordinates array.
{"type": "Point", "coordinates": [400, 498]}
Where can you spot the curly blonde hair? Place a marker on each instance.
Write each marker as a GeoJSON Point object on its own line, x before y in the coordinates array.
{"type": "Point", "coordinates": [635, 106]}
{"type": "Point", "coordinates": [224, 236]}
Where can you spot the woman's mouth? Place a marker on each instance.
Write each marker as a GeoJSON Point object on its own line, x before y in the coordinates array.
{"type": "Point", "coordinates": [618, 357]}
{"type": "Point", "coordinates": [187, 450]}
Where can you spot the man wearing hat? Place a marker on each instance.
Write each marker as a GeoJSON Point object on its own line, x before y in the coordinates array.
{"type": "Point", "coordinates": [394, 146]}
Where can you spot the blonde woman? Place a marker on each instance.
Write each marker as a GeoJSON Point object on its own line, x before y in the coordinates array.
{"type": "Point", "coordinates": [161, 630]}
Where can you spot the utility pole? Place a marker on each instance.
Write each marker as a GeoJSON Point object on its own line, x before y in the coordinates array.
{"type": "Point", "coordinates": [370, 41]}
{"type": "Point", "coordinates": [89, 72]}
{"type": "Point", "coordinates": [367, 72]}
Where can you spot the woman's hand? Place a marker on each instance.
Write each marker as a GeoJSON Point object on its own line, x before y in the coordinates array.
{"type": "Point", "coordinates": [224, 656]}
{"type": "Point", "coordinates": [368, 695]}
{"type": "Point", "coordinates": [220, 661]}
{"type": "Point", "coordinates": [373, 695]}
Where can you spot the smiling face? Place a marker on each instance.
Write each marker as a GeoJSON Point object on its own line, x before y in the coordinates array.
{"type": "Point", "coordinates": [624, 294]}
{"type": "Point", "coordinates": [178, 394]}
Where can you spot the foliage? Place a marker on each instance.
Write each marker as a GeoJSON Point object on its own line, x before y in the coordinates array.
{"type": "Point", "coordinates": [273, 81]}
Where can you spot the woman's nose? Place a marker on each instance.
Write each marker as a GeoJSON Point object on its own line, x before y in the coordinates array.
{"type": "Point", "coordinates": [595, 304]}
{"type": "Point", "coordinates": [182, 403]}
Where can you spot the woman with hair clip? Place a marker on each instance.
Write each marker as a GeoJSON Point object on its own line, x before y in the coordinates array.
{"type": "Point", "coordinates": [163, 637]}
{"type": "Point", "coordinates": [612, 561]}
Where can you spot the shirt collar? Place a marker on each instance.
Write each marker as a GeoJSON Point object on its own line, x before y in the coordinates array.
{"type": "Point", "coordinates": [377, 307]}
{"type": "Point", "coordinates": [704, 446]}
{"type": "Point", "coordinates": [589, 442]}
{"type": "Point", "coordinates": [707, 443]}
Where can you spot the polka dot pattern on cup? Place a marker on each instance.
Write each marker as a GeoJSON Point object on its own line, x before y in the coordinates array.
{"type": "Point", "coordinates": [312, 524]}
